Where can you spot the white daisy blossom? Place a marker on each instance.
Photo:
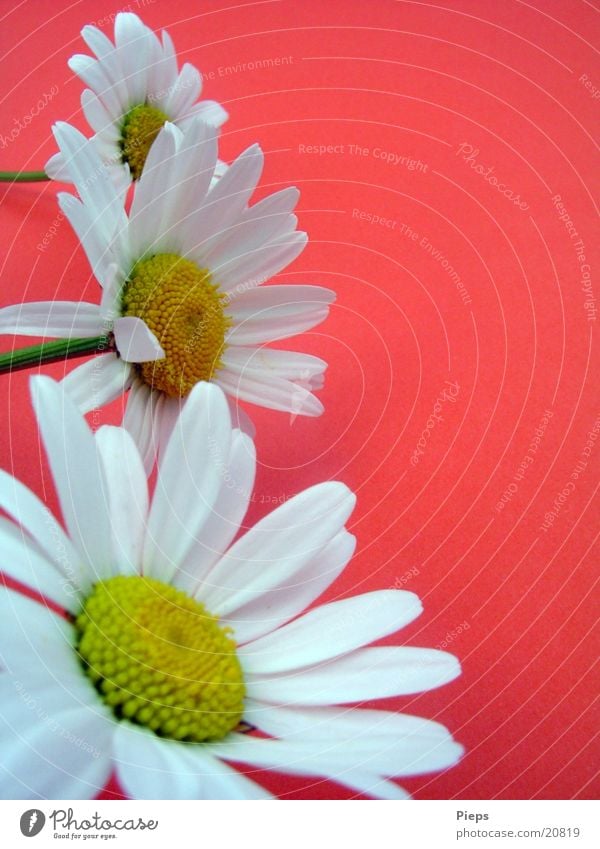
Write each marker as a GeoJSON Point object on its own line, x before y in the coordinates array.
{"type": "Point", "coordinates": [180, 277]}
{"type": "Point", "coordinates": [134, 86]}
{"type": "Point", "coordinates": [155, 591]}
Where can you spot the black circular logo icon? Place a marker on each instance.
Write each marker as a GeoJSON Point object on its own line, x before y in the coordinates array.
{"type": "Point", "coordinates": [32, 822]}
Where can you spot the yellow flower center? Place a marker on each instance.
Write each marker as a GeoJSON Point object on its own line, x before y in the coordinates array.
{"type": "Point", "coordinates": [158, 658]}
{"type": "Point", "coordinates": [140, 128]}
{"type": "Point", "coordinates": [185, 311]}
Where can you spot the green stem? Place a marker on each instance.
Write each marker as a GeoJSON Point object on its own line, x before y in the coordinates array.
{"type": "Point", "coordinates": [52, 352]}
{"type": "Point", "coordinates": [23, 176]}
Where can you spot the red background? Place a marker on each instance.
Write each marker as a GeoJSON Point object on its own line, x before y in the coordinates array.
{"type": "Point", "coordinates": [414, 80]}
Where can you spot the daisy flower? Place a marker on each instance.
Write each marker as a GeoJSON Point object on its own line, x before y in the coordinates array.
{"type": "Point", "coordinates": [180, 279]}
{"type": "Point", "coordinates": [134, 87]}
{"type": "Point", "coordinates": [180, 653]}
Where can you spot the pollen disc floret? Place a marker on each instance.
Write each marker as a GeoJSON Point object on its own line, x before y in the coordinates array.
{"type": "Point", "coordinates": [158, 658]}
{"type": "Point", "coordinates": [185, 311]}
{"type": "Point", "coordinates": [140, 128]}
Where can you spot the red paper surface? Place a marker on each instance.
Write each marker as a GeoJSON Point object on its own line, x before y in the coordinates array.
{"type": "Point", "coordinates": [386, 109]}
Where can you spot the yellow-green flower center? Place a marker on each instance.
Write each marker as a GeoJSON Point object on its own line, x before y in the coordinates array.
{"type": "Point", "coordinates": [158, 658]}
{"type": "Point", "coordinates": [140, 128]}
{"type": "Point", "coordinates": [185, 311]}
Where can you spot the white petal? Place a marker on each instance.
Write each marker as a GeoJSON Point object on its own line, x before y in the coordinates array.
{"type": "Point", "coordinates": [336, 759]}
{"type": "Point", "coordinates": [100, 222]}
{"type": "Point", "coordinates": [288, 365]}
{"type": "Point", "coordinates": [165, 418]}
{"type": "Point", "coordinates": [286, 299]}
{"type": "Point", "coordinates": [92, 180]}
{"type": "Point", "coordinates": [274, 324]}
{"type": "Point", "coordinates": [189, 479]}
{"type": "Point", "coordinates": [150, 217]}
{"type": "Point", "coordinates": [151, 768]}
{"type": "Point", "coordinates": [161, 74]}
{"type": "Point", "coordinates": [380, 742]}
{"type": "Point", "coordinates": [284, 200]}
{"type": "Point", "coordinates": [278, 547]}
{"type": "Point", "coordinates": [225, 201]}
{"type": "Point", "coordinates": [373, 785]}
{"type": "Point", "coordinates": [97, 116]}
{"type": "Point", "coordinates": [169, 69]}
{"type": "Point", "coordinates": [133, 41]}
{"type": "Point", "coordinates": [128, 28]}
{"type": "Point", "coordinates": [97, 76]}
{"type": "Point", "coordinates": [331, 630]}
{"type": "Point", "coordinates": [24, 562]}
{"type": "Point", "coordinates": [95, 39]}
{"type": "Point", "coordinates": [373, 673]}
{"type": "Point", "coordinates": [262, 263]}
{"type": "Point", "coordinates": [98, 382]}
{"type": "Point", "coordinates": [184, 92]}
{"type": "Point", "coordinates": [127, 494]}
{"type": "Point", "coordinates": [304, 760]}
{"type": "Point", "coordinates": [142, 404]}
{"type": "Point", "coordinates": [279, 755]}
{"type": "Point", "coordinates": [104, 79]}
{"type": "Point", "coordinates": [121, 178]}
{"type": "Point", "coordinates": [175, 179]}
{"type": "Point", "coordinates": [135, 341]}
{"type": "Point", "coordinates": [223, 522]}
{"type": "Point", "coordinates": [293, 595]}
{"type": "Point", "coordinates": [268, 390]}
{"type": "Point", "coordinates": [208, 111]}
{"type": "Point", "coordinates": [192, 173]}
{"type": "Point", "coordinates": [110, 303]}
{"type": "Point", "coordinates": [240, 418]}
{"type": "Point", "coordinates": [76, 471]}
{"type": "Point", "coordinates": [64, 319]}
{"type": "Point", "coordinates": [233, 191]}
{"type": "Point", "coordinates": [57, 169]}
{"type": "Point", "coordinates": [343, 724]}
{"type": "Point", "coordinates": [248, 231]}
{"type": "Point", "coordinates": [35, 518]}
{"type": "Point", "coordinates": [38, 649]}
{"type": "Point", "coordinates": [55, 751]}
{"type": "Point", "coordinates": [252, 228]}
{"type": "Point", "coordinates": [97, 247]}
{"type": "Point", "coordinates": [220, 168]}
{"type": "Point", "coordinates": [34, 640]}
